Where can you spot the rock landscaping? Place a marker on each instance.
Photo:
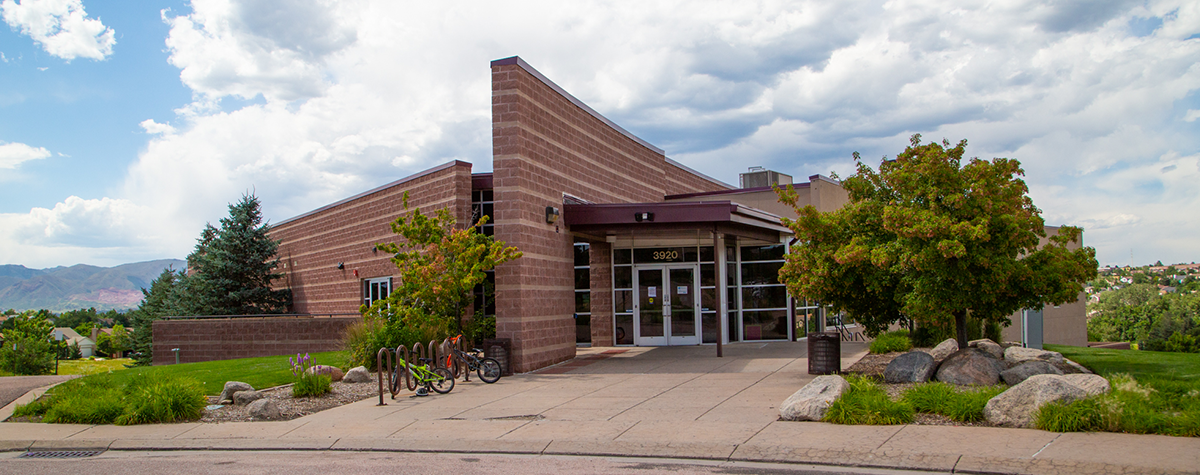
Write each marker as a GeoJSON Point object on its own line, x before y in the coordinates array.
{"type": "Point", "coordinates": [812, 401]}
{"type": "Point", "coordinates": [276, 404]}
{"type": "Point", "coordinates": [1035, 378]}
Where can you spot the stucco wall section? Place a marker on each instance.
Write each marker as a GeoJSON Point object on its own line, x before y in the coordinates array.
{"type": "Point", "coordinates": [313, 244]}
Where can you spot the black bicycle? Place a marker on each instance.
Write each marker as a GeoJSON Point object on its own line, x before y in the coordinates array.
{"type": "Point", "coordinates": [459, 361]}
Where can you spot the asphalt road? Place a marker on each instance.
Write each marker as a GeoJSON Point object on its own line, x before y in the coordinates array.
{"type": "Point", "coordinates": [326, 462]}
{"type": "Point", "coordinates": [13, 387]}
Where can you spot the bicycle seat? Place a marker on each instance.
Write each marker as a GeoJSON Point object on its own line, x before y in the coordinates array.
{"type": "Point", "coordinates": [426, 360]}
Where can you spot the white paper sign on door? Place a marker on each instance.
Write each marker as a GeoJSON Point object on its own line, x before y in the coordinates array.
{"type": "Point", "coordinates": [652, 292]}
{"type": "Point", "coordinates": [681, 290]}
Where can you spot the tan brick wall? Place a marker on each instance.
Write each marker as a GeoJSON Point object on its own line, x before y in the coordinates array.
{"type": "Point", "coordinates": [224, 339]}
{"type": "Point", "coordinates": [313, 244]}
{"type": "Point", "coordinates": [544, 145]}
{"type": "Point", "coordinates": [600, 260]}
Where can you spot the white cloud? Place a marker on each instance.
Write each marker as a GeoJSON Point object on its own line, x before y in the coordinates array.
{"type": "Point", "coordinates": [99, 232]}
{"type": "Point", "coordinates": [62, 27]}
{"type": "Point", "coordinates": [154, 128]}
{"type": "Point", "coordinates": [337, 97]}
{"type": "Point", "coordinates": [14, 153]}
{"type": "Point", "coordinates": [1192, 115]}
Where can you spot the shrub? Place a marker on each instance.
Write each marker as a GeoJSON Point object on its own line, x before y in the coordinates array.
{"type": "Point", "coordinates": [400, 326]}
{"type": "Point", "coordinates": [891, 341]}
{"type": "Point", "coordinates": [950, 401]}
{"type": "Point", "coordinates": [98, 399]}
{"type": "Point", "coordinates": [307, 383]}
{"type": "Point", "coordinates": [157, 399]}
{"type": "Point", "coordinates": [866, 403]}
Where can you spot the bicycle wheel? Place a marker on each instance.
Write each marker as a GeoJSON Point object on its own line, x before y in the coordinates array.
{"type": "Point", "coordinates": [489, 370]}
{"type": "Point", "coordinates": [454, 365]}
{"type": "Point", "coordinates": [443, 382]}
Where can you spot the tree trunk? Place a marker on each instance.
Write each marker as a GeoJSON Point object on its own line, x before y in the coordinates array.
{"type": "Point", "coordinates": [960, 327]}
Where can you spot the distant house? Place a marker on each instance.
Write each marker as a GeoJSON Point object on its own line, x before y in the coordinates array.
{"type": "Point", "coordinates": [1165, 289]}
{"type": "Point", "coordinates": [87, 346]}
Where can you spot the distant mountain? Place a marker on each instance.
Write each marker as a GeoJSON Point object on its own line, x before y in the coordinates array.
{"type": "Point", "coordinates": [80, 286]}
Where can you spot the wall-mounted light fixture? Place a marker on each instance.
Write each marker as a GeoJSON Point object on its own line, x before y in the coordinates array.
{"type": "Point", "coordinates": [639, 217]}
{"type": "Point", "coordinates": [341, 266]}
{"type": "Point", "coordinates": [551, 215]}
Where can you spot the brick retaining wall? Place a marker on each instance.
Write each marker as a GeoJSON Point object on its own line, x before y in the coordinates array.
{"type": "Point", "coordinates": [223, 339]}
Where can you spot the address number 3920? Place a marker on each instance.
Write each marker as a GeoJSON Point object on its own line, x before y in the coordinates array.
{"type": "Point", "coordinates": [666, 255]}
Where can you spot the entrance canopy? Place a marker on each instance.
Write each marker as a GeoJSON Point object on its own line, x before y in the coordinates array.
{"type": "Point", "coordinates": [599, 221]}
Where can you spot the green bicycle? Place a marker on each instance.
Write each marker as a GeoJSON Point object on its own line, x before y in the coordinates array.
{"type": "Point", "coordinates": [440, 380]}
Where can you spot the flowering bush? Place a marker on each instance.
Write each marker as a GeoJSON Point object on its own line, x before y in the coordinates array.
{"type": "Point", "coordinates": [308, 383]}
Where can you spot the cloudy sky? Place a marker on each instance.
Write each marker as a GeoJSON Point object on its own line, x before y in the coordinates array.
{"type": "Point", "coordinates": [125, 126]}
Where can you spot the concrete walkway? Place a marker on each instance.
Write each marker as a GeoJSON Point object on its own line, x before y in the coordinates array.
{"type": "Point", "coordinates": [653, 402]}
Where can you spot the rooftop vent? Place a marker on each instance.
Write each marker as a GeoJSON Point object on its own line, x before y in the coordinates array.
{"type": "Point", "coordinates": [759, 177]}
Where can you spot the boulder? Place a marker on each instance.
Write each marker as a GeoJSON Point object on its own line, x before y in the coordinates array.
{"type": "Point", "coordinates": [970, 366]}
{"type": "Point", "coordinates": [263, 409]}
{"type": "Point", "coordinates": [242, 398]}
{"type": "Point", "coordinates": [333, 372]}
{"type": "Point", "coordinates": [944, 349]}
{"type": "Point", "coordinates": [1017, 355]}
{"type": "Point", "coordinates": [232, 387]}
{"type": "Point", "coordinates": [991, 347]}
{"type": "Point", "coordinates": [812, 401]}
{"type": "Point", "coordinates": [1018, 406]}
{"type": "Point", "coordinates": [911, 367]}
{"type": "Point", "coordinates": [357, 374]}
{"type": "Point", "coordinates": [1071, 367]}
{"type": "Point", "coordinates": [1015, 375]}
{"type": "Point", "coordinates": [1093, 385]}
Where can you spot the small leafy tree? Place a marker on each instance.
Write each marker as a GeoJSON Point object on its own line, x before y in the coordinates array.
{"type": "Point", "coordinates": [930, 238]}
{"type": "Point", "coordinates": [29, 347]}
{"type": "Point", "coordinates": [439, 266]}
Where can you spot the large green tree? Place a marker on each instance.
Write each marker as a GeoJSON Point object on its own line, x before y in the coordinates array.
{"type": "Point", "coordinates": [232, 267]}
{"type": "Point", "coordinates": [160, 300]}
{"type": "Point", "coordinates": [931, 238]}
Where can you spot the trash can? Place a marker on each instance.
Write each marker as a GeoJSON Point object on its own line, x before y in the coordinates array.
{"type": "Point", "coordinates": [824, 353]}
{"type": "Point", "coordinates": [499, 349]}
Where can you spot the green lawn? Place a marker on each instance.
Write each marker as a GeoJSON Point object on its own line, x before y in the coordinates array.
{"type": "Point", "coordinates": [1141, 365]}
{"type": "Point", "coordinates": [261, 372]}
{"type": "Point", "coordinates": [86, 366]}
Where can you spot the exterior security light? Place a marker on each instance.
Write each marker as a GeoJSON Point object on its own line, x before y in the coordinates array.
{"type": "Point", "coordinates": [639, 217]}
{"type": "Point", "coordinates": [341, 266]}
{"type": "Point", "coordinates": [551, 215]}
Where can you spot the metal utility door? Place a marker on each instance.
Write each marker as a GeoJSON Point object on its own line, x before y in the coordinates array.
{"type": "Point", "coordinates": [666, 307]}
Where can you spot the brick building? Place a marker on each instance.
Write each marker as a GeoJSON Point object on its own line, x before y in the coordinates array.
{"type": "Point", "coordinates": [622, 245]}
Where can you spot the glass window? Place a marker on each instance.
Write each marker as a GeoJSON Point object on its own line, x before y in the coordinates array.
{"type": "Point", "coordinates": [764, 297]}
{"type": "Point", "coordinates": [623, 277]}
{"type": "Point", "coordinates": [763, 253]}
{"type": "Point", "coordinates": [622, 256]}
{"type": "Point", "coordinates": [376, 289]}
{"type": "Point", "coordinates": [581, 254]}
{"type": "Point", "coordinates": [583, 279]}
{"type": "Point", "coordinates": [623, 301]}
{"type": "Point", "coordinates": [761, 273]}
{"type": "Point", "coordinates": [623, 329]}
{"type": "Point", "coordinates": [583, 302]}
{"type": "Point", "coordinates": [708, 276]}
{"type": "Point", "coordinates": [765, 325]}
{"type": "Point", "coordinates": [708, 299]}
{"type": "Point", "coordinates": [706, 254]}
{"type": "Point", "coordinates": [708, 320]}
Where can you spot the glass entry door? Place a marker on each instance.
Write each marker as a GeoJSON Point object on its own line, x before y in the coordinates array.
{"type": "Point", "coordinates": [666, 305]}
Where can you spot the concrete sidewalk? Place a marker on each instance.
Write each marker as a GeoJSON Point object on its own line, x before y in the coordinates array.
{"type": "Point", "coordinates": [654, 402]}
